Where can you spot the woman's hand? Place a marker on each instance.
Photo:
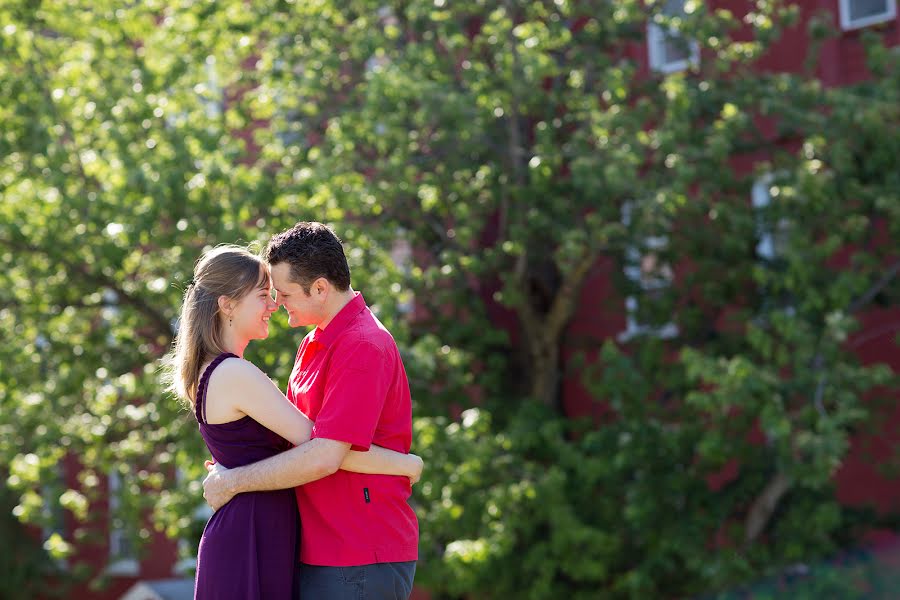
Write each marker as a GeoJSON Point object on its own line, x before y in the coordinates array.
{"type": "Point", "coordinates": [216, 488]}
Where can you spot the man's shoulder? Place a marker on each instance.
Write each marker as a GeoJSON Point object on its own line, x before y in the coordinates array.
{"type": "Point", "coordinates": [360, 341]}
{"type": "Point", "coordinates": [366, 328]}
{"type": "Point", "coordinates": [364, 347]}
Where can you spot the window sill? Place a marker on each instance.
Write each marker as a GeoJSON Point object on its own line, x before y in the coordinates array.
{"type": "Point", "coordinates": [664, 332]}
{"type": "Point", "coordinates": [126, 567]}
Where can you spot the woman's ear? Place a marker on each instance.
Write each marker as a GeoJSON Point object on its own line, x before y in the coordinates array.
{"type": "Point", "coordinates": [226, 305]}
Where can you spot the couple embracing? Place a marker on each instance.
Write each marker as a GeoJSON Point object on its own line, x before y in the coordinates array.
{"type": "Point", "coordinates": [309, 490]}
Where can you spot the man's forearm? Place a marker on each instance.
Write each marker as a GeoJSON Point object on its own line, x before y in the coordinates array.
{"type": "Point", "coordinates": [307, 462]}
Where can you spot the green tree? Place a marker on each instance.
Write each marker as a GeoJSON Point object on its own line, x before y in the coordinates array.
{"type": "Point", "coordinates": [506, 142]}
{"type": "Point", "coordinates": [518, 150]}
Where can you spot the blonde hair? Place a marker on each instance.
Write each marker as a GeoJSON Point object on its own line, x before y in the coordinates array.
{"type": "Point", "coordinates": [227, 270]}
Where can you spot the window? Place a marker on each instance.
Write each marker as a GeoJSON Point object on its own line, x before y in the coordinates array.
{"type": "Point", "coordinates": [207, 92]}
{"type": "Point", "coordinates": [122, 560]}
{"type": "Point", "coordinates": [770, 236]}
{"type": "Point", "coordinates": [287, 75]}
{"type": "Point", "coordinates": [668, 50]}
{"type": "Point", "coordinates": [402, 255]}
{"type": "Point", "coordinates": [213, 97]}
{"type": "Point", "coordinates": [650, 275]}
{"type": "Point", "coordinates": [861, 13]}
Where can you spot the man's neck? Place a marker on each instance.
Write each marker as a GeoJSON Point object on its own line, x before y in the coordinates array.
{"type": "Point", "coordinates": [341, 300]}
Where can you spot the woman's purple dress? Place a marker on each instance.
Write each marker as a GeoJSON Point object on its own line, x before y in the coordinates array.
{"type": "Point", "coordinates": [248, 546]}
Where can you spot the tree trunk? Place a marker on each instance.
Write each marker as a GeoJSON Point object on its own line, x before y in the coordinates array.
{"type": "Point", "coordinates": [546, 373]}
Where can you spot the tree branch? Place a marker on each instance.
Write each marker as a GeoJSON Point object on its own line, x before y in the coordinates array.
{"type": "Point", "coordinates": [529, 317]}
{"type": "Point", "coordinates": [512, 122]}
{"type": "Point", "coordinates": [162, 326]}
{"type": "Point", "coordinates": [566, 299]}
{"type": "Point", "coordinates": [764, 505]}
{"type": "Point", "coordinates": [873, 291]}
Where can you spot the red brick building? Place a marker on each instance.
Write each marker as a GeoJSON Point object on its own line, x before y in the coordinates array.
{"type": "Point", "coordinates": [859, 482]}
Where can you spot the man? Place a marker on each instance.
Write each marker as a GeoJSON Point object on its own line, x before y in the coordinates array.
{"type": "Point", "coordinates": [359, 536]}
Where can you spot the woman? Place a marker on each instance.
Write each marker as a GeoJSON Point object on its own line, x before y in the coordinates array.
{"type": "Point", "coordinates": [248, 546]}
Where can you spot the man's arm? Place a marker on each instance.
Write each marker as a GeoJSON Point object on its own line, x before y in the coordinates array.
{"type": "Point", "coordinates": [307, 462]}
{"type": "Point", "coordinates": [384, 462]}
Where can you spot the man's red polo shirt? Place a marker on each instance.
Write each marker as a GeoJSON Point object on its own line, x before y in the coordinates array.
{"type": "Point", "coordinates": [349, 380]}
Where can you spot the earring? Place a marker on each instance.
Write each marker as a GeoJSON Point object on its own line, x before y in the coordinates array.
{"type": "Point", "coordinates": [229, 321]}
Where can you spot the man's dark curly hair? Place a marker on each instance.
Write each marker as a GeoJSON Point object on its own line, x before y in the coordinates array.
{"type": "Point", "coordinates": [312, 250]}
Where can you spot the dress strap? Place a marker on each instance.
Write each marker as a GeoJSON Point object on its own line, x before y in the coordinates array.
{"type": "Point", "coordinates": [200, 404]}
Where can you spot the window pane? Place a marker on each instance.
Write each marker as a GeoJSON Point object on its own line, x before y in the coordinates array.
{"type": "Point", "coordinates": [772, 231]}
{"type": "Point", "coordinates": [674, 8]}
{"type": "Point", "coordinates": [676, 48]}
{"type": "Point", "coordinates": [860, 9]}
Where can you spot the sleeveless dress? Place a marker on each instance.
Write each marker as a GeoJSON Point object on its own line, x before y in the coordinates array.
{"type": "Point", "coordinates": [248, 549]}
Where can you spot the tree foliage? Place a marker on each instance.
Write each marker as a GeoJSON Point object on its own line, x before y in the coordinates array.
{"type": "Point", "coordinates": [478, 159]}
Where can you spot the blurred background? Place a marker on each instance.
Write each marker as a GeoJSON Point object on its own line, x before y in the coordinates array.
{"type": "Point", "coordinates": [640, 257]}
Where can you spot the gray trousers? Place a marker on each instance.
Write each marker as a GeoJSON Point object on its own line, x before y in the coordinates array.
{"type": "Point", "coordinates": [382, 581]}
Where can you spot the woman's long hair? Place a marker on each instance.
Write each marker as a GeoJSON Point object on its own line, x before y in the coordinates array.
{"type": "Point", "coordinates": [227, 270]}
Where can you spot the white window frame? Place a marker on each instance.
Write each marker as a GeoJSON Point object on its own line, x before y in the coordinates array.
{"type": "Point", "coordinates": [656, 40]}
{"type": "Point", "coordinates": [402, 254]}
{"type": "Point", "coordinates": [633, 256]}
{"type": "Point", "coordinates": [120, 564]}
{"type": "Point", "coordinates": [216, 104]}
{"type": "Point", "coordinates": [761, 197]}
{"type": "Point", "coordinates": [847, 24]}
{"type": "Point", "coordinates": [287, 138]}
{"type": "Point", "coordinates": [766, 245]}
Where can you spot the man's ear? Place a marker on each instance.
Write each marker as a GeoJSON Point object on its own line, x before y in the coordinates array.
{"type": "Point", "coordinates": [320, 288]}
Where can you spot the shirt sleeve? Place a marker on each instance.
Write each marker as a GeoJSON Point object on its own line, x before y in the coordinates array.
{"type": "Point", "coordinates": [355, 391]}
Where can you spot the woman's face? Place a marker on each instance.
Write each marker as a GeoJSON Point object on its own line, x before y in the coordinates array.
{"type": "Point", "coordinates": [251, 313]}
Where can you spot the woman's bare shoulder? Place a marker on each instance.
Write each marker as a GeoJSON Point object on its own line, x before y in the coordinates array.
{"type": "Point", "coordinates": [237, 374]}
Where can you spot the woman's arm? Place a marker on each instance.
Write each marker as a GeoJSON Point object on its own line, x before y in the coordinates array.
{"type": "Point", "coordinates": [247, 389]}
{"type": "Point", "coordinates": [384, 461]}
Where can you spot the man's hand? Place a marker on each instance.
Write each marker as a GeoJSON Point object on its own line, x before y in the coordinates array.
{"type": "Point", "coordinates": [216, 489]}
{"type": "Point", "coordinates": [417, 474]}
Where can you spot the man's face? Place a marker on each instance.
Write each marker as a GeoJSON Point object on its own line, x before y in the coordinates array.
{"type": "Point", "coordinates": [303, 309]}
